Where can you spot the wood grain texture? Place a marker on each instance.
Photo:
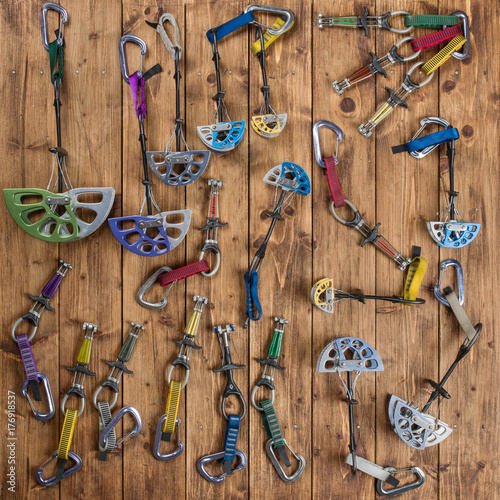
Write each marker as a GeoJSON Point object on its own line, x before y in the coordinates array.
{"type": "Point", "coordinates": [100, 132]}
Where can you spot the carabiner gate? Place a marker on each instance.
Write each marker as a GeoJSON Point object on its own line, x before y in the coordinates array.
{"type": "Point", "coordinates": [401, 489]}
{"type": "Point", "coordinates": [279, 469]}
{"type": "Point", "coordinates": [43, 22]}
{"type": "Point", "coordinates": [218, 457]}
{"type": "Point", "coordinates": [114, 421]}
{"type": "Point", "coordinates": [460, 281]}
{"type": "Point", "coordinates": [67, 472]}
{"type": "Point", "coordinates": [423, 123]}
{"type": "Point", "coordinates": [123, 58]}
{"type": "Point", "coordinates": [158, 440]}
{"type": "Point", "coordinates": [288, 16]}
{"type": "Point", "coordinates": [48, 393]}
{"type": "Point", "coordinates": [316, 141]}
{"type": "Point", "coordinates": [148, 284]}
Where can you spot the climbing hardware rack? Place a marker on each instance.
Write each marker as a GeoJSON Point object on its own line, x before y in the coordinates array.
{"type": "Point", "coordinates": [44, 213]}
{"type": "Point", "coordinates": [276, 441]}
{"type": "Point", "coordinates": [63, 453]}
{"type": "Point", "coordinates": [146, 235]}
{"type": "Point", "coordinates": [177, 168]}
{"type": "Point", "coordinates": [23, 340]}
{"type": "Point", "coordinates": [212, 226]}
{"type": "Point", "coordinates": [450, 231]}
{"type": "Point", "coordinates": [169, 421]}
{"type": "Point", "coordinates": [107, 423]}
{"type": "Point", "coordinates": [289, 179]}
{"type": "Point", "coordinates": [230, 452]}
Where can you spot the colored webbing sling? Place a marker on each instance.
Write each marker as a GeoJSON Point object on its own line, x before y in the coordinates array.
{"type": "Point", "coordinates": [230, 26]}
{"type": "Point", "coordinates": [183, 272]}
{"type": "Point", "coordinates": [444, 54]}
{"type": "Point", "coordinates": [56, 58]}
{"type": "Point", "coordinates": [172, 407]}
{"type": "Point", "coordinates": [273, 429]}
{"type": "Point", "coordinates": [441, 137]}
{"type": "Point", "coordinates": [230, 441]}
{"type": "Point", "coordinates": [67, 434]}
{"type": "Point", "coordinates": [333, 182]}
{"type": "Point", "coordinates": [430, 21]}
{"type": "Point", "coordinates": [428, 41]}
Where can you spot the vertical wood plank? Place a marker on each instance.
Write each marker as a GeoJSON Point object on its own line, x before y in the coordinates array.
{"type": "Point", "coordinates": [225, 290]}
{"type": "Point", "coordinates": [286, 270]}
{"type": "Point", "coordinates": [337, 252]}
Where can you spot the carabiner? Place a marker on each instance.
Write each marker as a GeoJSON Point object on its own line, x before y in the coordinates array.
{"type": "Point", "coordinates": [114, 421]}
{"type": "Point", "coordinates": [158, 440]}
{"type": "Point", "coordinates": [218, 457]}
{"type": "Point", "coordinates": [48, 393]}
{"type": "Point", "coordinates": [460, 281]}
{"type": "Point", "coordinates": [317, 144]}
{"type": "Point", "coordinates": [288, 16]}
{"type": "Point", "coordinates": [123, 59]}
{"type": "Point", "coordinates": [401, 489]}
{"type": "Point", "coordinates": [67, 472]}
{"type": "Point", "coordinates": [279, 469]}
{"type": "Point", "coordinates": [149, 283]}
{"type": "Point", "coordinates": [423, 123]}
{"type": "Point", "coordinates": [463, 55]}
{"type": "Point", "coordinates": [43, 22]}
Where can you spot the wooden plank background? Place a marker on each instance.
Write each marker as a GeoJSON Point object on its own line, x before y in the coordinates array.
{"type": "Point", "coordinates": [100, 133]}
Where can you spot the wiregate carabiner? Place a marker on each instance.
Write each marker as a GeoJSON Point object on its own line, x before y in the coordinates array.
{"type": "Point", "coordinates": [317, 144]}
{"type": "Point", "coordinates": [43, 22]}
{"type": "Point", "coordinates": [148, 284]}
{"type": "Point", "coordinates": [401, 489]}
{"type": "Point", "coordinates": [123, 58]}
{"type": "Point", "coordinates": [462, 55]}
{"type": "Point", "coordinates": [53, 480]}
{"type": "Point", "coordinates": [460, 281]}
{"type": "Point", "coordinates": [423, 123]}
{"type": "Point", "coordinates": [288, 16]}
{"type": "Point", "coordinates": [114, 421]}
{"type": "Point", "coordinates": [48, 393]}
{"type": "Point", "coordinates": [158, 440]}
{"type": "Point", "coordinates": [218, 457]}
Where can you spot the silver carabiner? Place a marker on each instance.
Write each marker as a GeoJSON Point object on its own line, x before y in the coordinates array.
{"type": "Point", "coordinates": [460, 281]}
{"type": "Point", "coordinates": [43, 22]}
{"type": "Point", "coordinates": [220, 456]}
{"type": "Point", "coordinates": [114, 421]}
{"type": "Point", "coordinates": [123, 58]}
{"type": "Point", "coordinates": [48, 392]}
{"type": "Point", "coordinates": [288, 16]}
{"type": "Point", "coordinates": [316, 142]}
{"type": "Point", "coordinates": [158, 440]}
{"type": "Point", "coordinates": [149, 283]}
{"type": "Point", "coordinates": [401, 489]}
{"type": "Point", "coordinates": [279, 469]}
{"type": "Point", "coordinates": [462, 55]}
{"type": "Point", "coordinates": [420, 153]}
{"type": "Point", "coordinates": [67, 472]}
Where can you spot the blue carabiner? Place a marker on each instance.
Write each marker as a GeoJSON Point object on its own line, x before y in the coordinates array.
{"type": "Point", "coordinates": [460, 281]}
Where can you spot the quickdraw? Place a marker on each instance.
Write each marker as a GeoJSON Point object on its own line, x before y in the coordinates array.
{"type": "Point", "coordinates": [148, 235]}
{"type": "Point", "coordinates": [230, 452]}
{"type": "Point", "coordinates": [212, 226]}
{"type": "Point", "coordinates": [169, 421]}
{"type": "Point", "coordinates": [223, 136]}
{"type": "Point", "coordinates": [395, 98]}
{"type": "Point", "coordinates": [414, 424]}
{"type": "Point", "coordinates": [377, 65]}
{"type": "Point", "coordinates": [417, 265]}
{"type": "Point", "coordinates": [177, 168]}
{"type": "Point", "coordinates": [350, 354]}
{"type": "Point", "coordinates": [33, 377]}
{"type": "Point", "coordinates": [291, 179]}
{"type": "Point", "coordinates": [450, 231]}
{"type": "Point", "coordinates": [276, 441]}
{"type": "Point", "coordinates": [107, 423]}
{"type": "Point", "coordinates": [324, 296]}
{"type": "Point", "coordinates": [63, 453]}
{"type": "Point", "coordinates": [167, 276]}
{"type": "Point", "coordinates": [268, 123]}
{"type": "Point", "coordinates": [43, 213]}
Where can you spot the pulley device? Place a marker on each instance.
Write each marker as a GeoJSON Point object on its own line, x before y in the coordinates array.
{"type": "Point", "coordinates": [176, 168]}
{"type": "Point", "coordinates": [289, 179]}
{"type": "Point", "coordinates": [67, 214]}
